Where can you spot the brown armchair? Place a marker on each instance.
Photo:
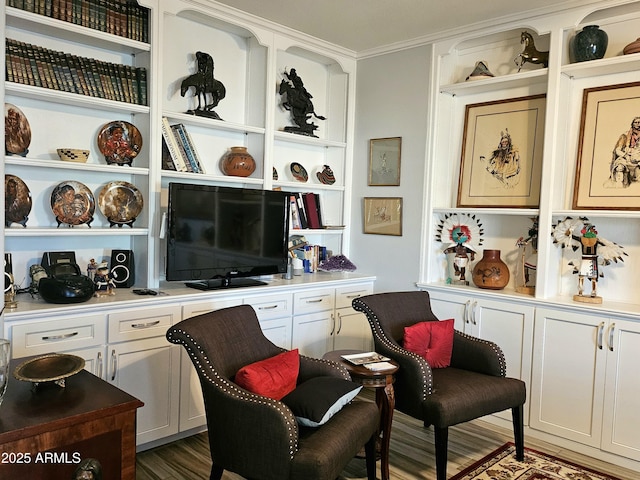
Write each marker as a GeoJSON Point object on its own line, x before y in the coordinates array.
{"type": "Point", "coordinates": [258, 437]}
{"type": "Point", "coordinates": [473, 385]}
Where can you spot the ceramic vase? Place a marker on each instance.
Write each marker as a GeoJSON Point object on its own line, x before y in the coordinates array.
{"type": "Point", "coordinates": [491, 272]}
{"type": "Point", "coordinates": [633, 47]}
{"type": "Point", "coordinates": [590, 43]}
{"type": "Point", "coordinates": [238, 162]}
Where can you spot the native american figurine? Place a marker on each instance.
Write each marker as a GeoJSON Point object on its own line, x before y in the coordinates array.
{"type": "Point", "coordinates": [462, 234]}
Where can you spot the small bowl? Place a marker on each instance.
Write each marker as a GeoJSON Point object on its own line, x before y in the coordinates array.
{"type": "Point", "coordinates": [73, 155]}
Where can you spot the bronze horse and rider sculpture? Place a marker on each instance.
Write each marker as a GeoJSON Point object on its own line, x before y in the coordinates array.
{"type": "Point", "coordinates": [298, 102]}
{"type": "Point", "coordinates": [530, 53]}
{"type": "Point", "coordinates": [206, 86]}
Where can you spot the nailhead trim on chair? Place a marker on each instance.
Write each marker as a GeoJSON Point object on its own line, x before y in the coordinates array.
{"type": "Point", "coordinates": [379, 336]}
{"type": "Point", "coordinates": [233, 390]}
{"type": "Point", "coordinates": [497, 350]}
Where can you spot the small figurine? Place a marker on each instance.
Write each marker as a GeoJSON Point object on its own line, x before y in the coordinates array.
{"type": "Point", "coordinates": [463, 238]}
{"type": "Point", "coordinates": [528, 251]}
{"type": "Point", "coordinates": [298, 102]}
{"type": "Point", "coordinates": [595, 251]}
{"type": "Point", "coordinates": [204, 84]}
{"type": "Point", "coordinates": [91, 268]}
{"type": "Point", "coordinates": [530, 53]}
{"type": "Point", "coordinates": [103, 282]}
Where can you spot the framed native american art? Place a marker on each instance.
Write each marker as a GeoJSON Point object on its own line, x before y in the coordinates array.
{"type": "Point", "coordinates": [384, 161]}
{"type": "Point", "coordinates": [608, 171]}
{"type": "Point", "coordinates": [383, 215]}
{"type": "Point", "coordinates": [501, 161]}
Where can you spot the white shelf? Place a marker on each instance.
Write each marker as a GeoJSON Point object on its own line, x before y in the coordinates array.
{"type": "Point", "coordinates": [81, 231]}
{"type": "Point", "coordinates": [604, 66]}
{"type": "Point", "coordinates": [522, 79]}
{"type": "Point", "coordinates": [222, 125]}
{"type": "Point", "coordinates": [525, 212]}
{"type": "Point", "coordinates": [306, 140]}
{"type": "Point", "coordinates": [72, 166]}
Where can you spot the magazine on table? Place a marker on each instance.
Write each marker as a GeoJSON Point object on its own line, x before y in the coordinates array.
{"type": "Point", "coordinates": [365, 358]}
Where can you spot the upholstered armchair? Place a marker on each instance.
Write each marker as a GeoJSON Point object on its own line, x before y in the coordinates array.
{"type": "Point", "coordinates": [473, 385]}
{"type": "Point", "coordinates": [256, 436]}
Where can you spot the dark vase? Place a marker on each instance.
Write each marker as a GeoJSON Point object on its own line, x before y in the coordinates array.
{"type": "Point", "coordinates": [238, 162]}
{"type": "Point", "coordinates": [491, 272]}
{"type": "Point", "coordinates": [590, 43]}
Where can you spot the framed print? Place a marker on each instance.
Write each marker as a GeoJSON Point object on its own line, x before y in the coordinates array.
{"type": "Point", "coordinates": [608, 170]}
{"type": "Point", "coordinates": [501, 163]}
{"type": "Point", "coordinates": [384, 161]}
{"type": "Point", "coordinates": [383, 215]}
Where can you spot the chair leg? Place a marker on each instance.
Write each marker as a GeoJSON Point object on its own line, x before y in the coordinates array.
{"type": "Point", "coordinates": [442, 440]}
{"type": "Point", "coordinates": [370, 457]}
{"type": "Point", "coordinates": [216, 472]}
{"type": "Point", "coordinates": [517, 414]}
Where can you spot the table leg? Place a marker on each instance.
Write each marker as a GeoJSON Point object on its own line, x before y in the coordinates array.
{"type": "Point", "coordinates": [386, 401]}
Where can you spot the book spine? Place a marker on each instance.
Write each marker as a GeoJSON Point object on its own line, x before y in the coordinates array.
{"type": "Point", "coordinates": [301, 209]}
{"type": "Point", "coordinates": [172, 145]}
{"type": "Point", "coordinates": [192, 145]}
{"type": "Point", "coordinates": [141, 73]}
{"type": "Point", "coordinates": [311, 210]}
{"type": "Point", "coordinates": [294, 213]}
{"type": "Point", "coordinates": [175, 130]}
{"type": "Point", "coordinates": [167, 161]}
{"type": "Point", "coordinates": [184, 140]}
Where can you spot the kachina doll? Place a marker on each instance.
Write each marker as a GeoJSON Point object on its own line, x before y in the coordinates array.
{"type": "Point", "coordinates": [595, 251]}
{"type": "Point", "coordinates": [103, 282]}
{"type": "Point", "coordinates": [462, 237]}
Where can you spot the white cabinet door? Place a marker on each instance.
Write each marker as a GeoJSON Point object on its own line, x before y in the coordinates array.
{"type": "Point", "coordinates": [149, 370]}
{"type": "Point", "coordinates": [351, 331]}
{"type": "Point", "coordinates": [312, 333]}
{"type": "Point", "coordinates": [278, 331]}
{"type": "Point", "coordinates": [568, 375]}
{"type": "Point", "coordinates": [622, 390]}
{"type": "Point", "coordinates": [445, 306]}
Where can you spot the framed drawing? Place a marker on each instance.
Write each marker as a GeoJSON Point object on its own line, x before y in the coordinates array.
{"type": "Point", "coordinates": [608, 170]}
{"type": "Point", "coordinates": [501, 163]}
{"type": "Point", "coordinates": [384, 161]}
{"type": "Point", "coordinates": [383, 215]}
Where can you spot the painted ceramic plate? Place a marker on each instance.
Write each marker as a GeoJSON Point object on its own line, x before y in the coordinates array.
{"type": "Point", "coordinates": [120, 142]}
{"type": "Point", "coordinates": [298, 172]}
{"type": "Point", "coordinates": [17, 201]}
{"type": "Point", "coordinates": [49, 368]}
{"type": "Point", "coordinates": [121, 202]}
{"type": "Point", "coordinates": [326, 176]}
{"type": "Point", "coordinates": [17, 132]}
{"type": "Point", "coordinates": [73, 203]}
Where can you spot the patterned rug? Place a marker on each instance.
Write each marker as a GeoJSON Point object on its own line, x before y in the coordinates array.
{"type": "Point", "coordinates": [502, 465]}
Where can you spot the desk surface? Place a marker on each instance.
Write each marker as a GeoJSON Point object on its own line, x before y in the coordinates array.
{"type": "Point", "coordinates": [24, 413]}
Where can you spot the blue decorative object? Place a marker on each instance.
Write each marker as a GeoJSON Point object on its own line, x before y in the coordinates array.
{"type": "Point", "coordinates": [590, 43]}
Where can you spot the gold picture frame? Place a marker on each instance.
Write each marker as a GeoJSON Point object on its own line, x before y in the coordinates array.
{"type": "Point", "coordinates": [384, 161]}
{"type": "Point", "coordinates": [608, 167]}
{"type": "Point", "coordinates": [501, 164]}
{"type": "Point", "coordinates": [383, 215]}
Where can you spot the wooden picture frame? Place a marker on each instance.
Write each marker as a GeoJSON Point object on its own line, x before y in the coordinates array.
{"type": "Point", "coordinates": [501, 164]}
{"type": "Point", "coordinates": [608, 167]}
{"type": "Point", "coordinates": [383, 215]}
{"type": "Point", "coordinates": [384, 161]}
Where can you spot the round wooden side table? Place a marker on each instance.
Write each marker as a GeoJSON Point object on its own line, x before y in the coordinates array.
{"type": "Point", "coordinates": [382, 382]}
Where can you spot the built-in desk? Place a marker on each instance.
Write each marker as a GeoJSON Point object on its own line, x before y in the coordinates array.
{"type": "Point", "coordinates": [45, 434]}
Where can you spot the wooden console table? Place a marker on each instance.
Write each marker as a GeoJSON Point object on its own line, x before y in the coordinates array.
{"type": "Point", "coordinates": [46, 434]}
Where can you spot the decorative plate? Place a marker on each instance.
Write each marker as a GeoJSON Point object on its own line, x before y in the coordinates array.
{"type": "Point", "coordinates": [121, 202]}
{"type": "Point", "coordinates": [73, 203]}
{"type": "Point", "coordinates": [120, 142]}
{"type": "Point", "coordinates": [17, 201]}
{"type": "Point", "coordinates": [326, 176]}
{"type": "Point", "coordinates": [17, 131]}
{"type": "Point", "coordinates": [52, 367]}
{"type": "Point", "coordinates": [298, 172]}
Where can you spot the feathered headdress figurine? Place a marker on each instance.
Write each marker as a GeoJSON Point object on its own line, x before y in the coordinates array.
{"type": "Point", "coordinates": [595, 249]}
{"type": "Point", "coordinates": [462, 234]}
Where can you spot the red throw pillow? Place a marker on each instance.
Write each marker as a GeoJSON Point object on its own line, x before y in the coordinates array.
{"type": "Point", "coordinates": [272, 377]}
{"type": "Point", "coordinates": [431, 340]}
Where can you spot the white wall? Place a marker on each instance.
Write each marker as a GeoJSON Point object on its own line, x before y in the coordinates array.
{"type": "Point", "coordinates": [391, 101]}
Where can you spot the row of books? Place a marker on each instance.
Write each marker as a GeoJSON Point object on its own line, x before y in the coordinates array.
{"type": "Point", "coordinates": [37, 66]}
{"type": "Point", "coordinates": [178, 149]}
{"type": "Point", "coordinates": [311, 256]}
{"type": "Point", "coordinates": [124, 18]}
{"type": "Point", "coordinates": [305, 211]}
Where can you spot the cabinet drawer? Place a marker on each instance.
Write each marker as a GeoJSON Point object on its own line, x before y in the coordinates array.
{"type": "Point", "coordinates": [58, 335]}
{"type": "Point", "coordinates": [314, 301]}
{"type": "Point", "coordinates": [141, 323]}
{"type": "Point", "coordinates": [271, 306]}
{"type": "Point", "coordinates": [199, 308]}
{"type": "Point", "coordinates": [345, 295]}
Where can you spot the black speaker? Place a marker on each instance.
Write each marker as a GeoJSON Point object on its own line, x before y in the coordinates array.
{"type": "Point", "coordinates": [8, 272]}
{"type": "Point", "coordinates": [122, 268]}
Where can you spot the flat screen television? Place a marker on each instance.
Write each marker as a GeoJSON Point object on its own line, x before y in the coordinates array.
{"type": "Point", "coordinates": [219, 237]}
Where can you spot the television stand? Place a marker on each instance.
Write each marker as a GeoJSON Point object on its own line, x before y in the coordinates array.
{"type": "Point", "coordinates": [221, 283]}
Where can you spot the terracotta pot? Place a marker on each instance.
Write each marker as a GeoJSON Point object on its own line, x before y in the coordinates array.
{"type": "Point", "coordinates": [238, 162]}
{"type": "Point", "coordinates": [633, 47]}
{"type": "Point", "coordinates": [491, 272]}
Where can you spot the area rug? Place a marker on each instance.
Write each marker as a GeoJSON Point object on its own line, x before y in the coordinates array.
{"type": "Point", "coordinates": [502, 465]}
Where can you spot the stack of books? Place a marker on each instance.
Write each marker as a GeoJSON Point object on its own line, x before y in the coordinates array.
{"type": "Point", "coordinates": [311, 256]}
{"type": "Point", "coordinates": [371, 360]}
{"type": "Point", "coordinates": [40, 67]}
{"type": "Point", "coordinates": [305, 211]}
{"type": "Point", "coordinates": [178, 149]}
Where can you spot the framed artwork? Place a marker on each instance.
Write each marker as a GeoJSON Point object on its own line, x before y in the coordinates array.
{"type": "Point", "coordinates": [608, 170]}
{"type": "Point", "coordinates": [384, 161]}
{"type": "Point", "coordinates": [501, 163]}
{"type": "Point", "coordinates": [383, 215]}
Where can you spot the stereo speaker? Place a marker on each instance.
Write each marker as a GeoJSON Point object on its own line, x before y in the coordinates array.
{"type": "Point", "coordinates": [8, 273]}
{"type": "Point", "coordinates": [122, 268]}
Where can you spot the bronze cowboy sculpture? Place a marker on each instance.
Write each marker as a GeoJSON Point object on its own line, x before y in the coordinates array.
{"type": "Point", "coordinates": [205, 87]}
{"type": "Point", "coordinates": [298, 102]}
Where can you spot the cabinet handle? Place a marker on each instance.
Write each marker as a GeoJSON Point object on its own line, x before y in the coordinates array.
{"type": "Point", "coordinates": [317, 300]}
{"type": "Point", "coordinates": [611, 329]}
{"type": "Point", "coordinates": [474, 305]}
{"type": "Point", "coordinates": [99, 365]}
{"type": "Point", "coordinates": [355, 295]}
{"type": "Point", "coordinates": [269, 307]}
{"type": "Point", "coordinates": [339, 324]}
{"type": "Point", "coordinates": [600, 332]}
{"type": "Point", "coordinates": [60, 337]}
{"type": "Point", "coordinates": [333, 324]}
{"type": "Point", "coordinates": [114, 364]}
{"type": "Point", "coordinates": [145, 325]}
{"type": "Point", "coordinates": [465, 315]}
